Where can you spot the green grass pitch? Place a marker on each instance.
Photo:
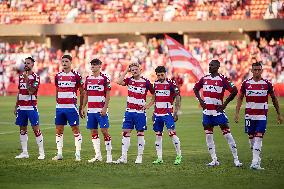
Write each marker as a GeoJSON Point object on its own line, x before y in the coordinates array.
{"type": "Point", "coordinates": [192, 173]}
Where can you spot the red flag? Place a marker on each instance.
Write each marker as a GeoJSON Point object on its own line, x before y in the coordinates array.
{"type": "Point", "coordinates": [182, 60]}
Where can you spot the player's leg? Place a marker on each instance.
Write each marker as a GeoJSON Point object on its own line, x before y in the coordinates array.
{"type": "Point", "coordinates": [170, 124]}
{"type": "Point", "coordinates": [34, 119]}
{"type": "Point", "coordinates": [22, 121]}
{"type": "Point", "coordinates": [73, 119]}
{"type": "Point", "coordinates": [223, 122]}
{"type": "Point", "coordinates": [158, 128]}
{"type": "Point", "coordinates": [260, 128]}
{"type": "Point", "coordinates": [127, 127]}
{"type": "Point", "coordinates": [208, 126]}
{"type": "Point", "coordinates": [92, 124]}
{"type": "Point", "coordinates": [250, 130]}
{"type": "Point", "coordinates": [141, 125]}
{"type": "Point", "coordinates": [60, 121]}
{"type": "Point", "coordinates": [104, 124]}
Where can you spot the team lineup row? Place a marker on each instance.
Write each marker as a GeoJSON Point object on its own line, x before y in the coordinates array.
{"type": "Point", "coordinates": [95, 94]}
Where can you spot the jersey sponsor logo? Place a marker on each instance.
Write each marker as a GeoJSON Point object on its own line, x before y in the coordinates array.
{"type": "Point", "coordinates": [94, 87]}
{"type": "Point", "coordinates": [61, 84]}
{"type": "Point", "coordinates": [166, 93]}
{"type": "Point", "coordinates": [256, 93]}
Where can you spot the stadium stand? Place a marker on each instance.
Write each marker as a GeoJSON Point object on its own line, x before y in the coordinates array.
{"type": "Point", "coordinates": [84, 11]}
{"type": "Point", "coordinates": [236, 57]}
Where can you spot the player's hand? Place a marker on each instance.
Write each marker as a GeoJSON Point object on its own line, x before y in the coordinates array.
{"type": "Point", "coordinates": [279, 119]}
{"type": "Point", "coordinates": [104, 111]}
{"type": "Point", "coordinates": [237, 117]}
{"type": "Point", "coordinates": [202, 104]}
{"type": "Point", "coordinates": [175, 117]}
{"type": "Point", "coordinates": [82, 113]}
{"type": "Point", "coordinates": [26, 76]}
{"type": "Point", "coordinates": [15, 111]}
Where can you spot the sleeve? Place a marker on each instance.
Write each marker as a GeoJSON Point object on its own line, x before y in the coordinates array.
{"type": "Point", "coordinates": [107, 84]}
{"type": "Point", "coordinates": [126, 81]}
{"type": "Point", "coordinates": [228, 84]}
{"type": "Point", "coordinates": [149, 86]}
{"type": "Point", "coordinates": [79, 80]}
{"type": "Point", "coordinates": [243, 88]}
{"type": "Point", "coordinates": [199, 84]}
{"type": "Point", "coordinates": [174, 88]}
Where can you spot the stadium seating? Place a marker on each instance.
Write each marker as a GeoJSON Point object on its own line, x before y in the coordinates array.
{"type": "Point", "coordinates": [236, 57]}
{"type": "Point", "coordinates": [56, 11]}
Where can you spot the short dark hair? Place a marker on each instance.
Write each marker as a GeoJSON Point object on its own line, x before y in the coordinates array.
{"type": "Point", "coordinates": [30, 58]}
{"type": "Point", "coordinates": [259, 63]}
{"type": "Point", "coordinates": [67, 56]}
{"type": "Point", "coordinates": [96, 61]}
{"type": "Point", "coordinates": [160, 69]}
{"type": "Point", "coordinates": [215, 62]}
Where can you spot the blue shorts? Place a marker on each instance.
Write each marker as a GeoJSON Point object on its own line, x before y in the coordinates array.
{"type": "Point", "coordinates": [210, 120]}
{"type": "Point", "coordinates": [159, 122]}
{"type": "Point", "coordinates": [134, 119]}
{"type": "Point", "coordinates": [67, 114]}
{"type": "Point", "coordinates": [23, 116]}
{"type": "Point", "coordinates": [255, 126]}
{"type": "Point", "coordinates": [93, 119]}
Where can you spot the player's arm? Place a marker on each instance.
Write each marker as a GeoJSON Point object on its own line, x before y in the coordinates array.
{"type": "Point", "coordinates": [121, 77]}
{"type": "Point", "coordinates": [238, 107]}
{"type": "Point", "coordinates": [82, 94]}
{"type": "Point", "coordinates": [231, 97]}
{"type": "Point", "coordinates": [31, 88]}
{"type": "Point", "coordinates": [16, 106]}
{"type": "Point", "coordinates": [85, 101]}
{"type": "Point", "coordinates": [276, 106]}
{"type": "Point", "coordinates": [150, 103]}
{"type": "Point", "coordinates": [104, 110]}
{"type": "Point", "coordinates": [177, 106]}
{"type": "Point", "coordinates": [197, 94]}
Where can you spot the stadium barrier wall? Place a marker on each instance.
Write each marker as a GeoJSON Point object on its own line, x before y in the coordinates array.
{"type": "Point", "coordinates": [244, 25]}
{"type": "Point", "coordinates": [48, 89]}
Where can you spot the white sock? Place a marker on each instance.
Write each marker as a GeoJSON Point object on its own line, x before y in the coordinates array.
{"type": "Point", "coordinates": [125, 145]}
{"type": "Point", "coordinates": [176, 143]}
{"type": "Point", "coordinates": [108, 145]}
{"type": "Point", "coordinates": [39, 141]}
{"type": "Point", "coordinates": [251, 143]}
{"type": "Point", "coordinates": [159, 146]}
{"type": "Point", "coordinates": [97, 146]}
{"type": "Point", "coordinates": [256, 149]}
{"type": "Point", "coordinates": [78, 142]}
{"type": "Point", "coordinates": [24, 141]}
{"type": "Point", "coordinates": [59, 143]}
{"type": "Point", "coordinates": [140, 144]}
{"type": "Point", "coordinates": [211, 146]}
{"type": "Point", "coordinates": [232, 144]}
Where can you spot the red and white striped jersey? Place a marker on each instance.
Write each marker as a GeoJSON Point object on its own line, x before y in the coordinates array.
{"type": "Point", "coordinates": [213, 92]}
{"type": "Point", "coordinates": [137, 93]}
{"type": "Point", "coordinates": [96, 88]}
{"type": "Point", "coordinates": [67, 85]}
{"type": "Point", "coordinates": [164, 97]}
{"type": "Point", "coordinates": [256, 94]}
{"type": "Point", "coordinates": [25, 100]}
